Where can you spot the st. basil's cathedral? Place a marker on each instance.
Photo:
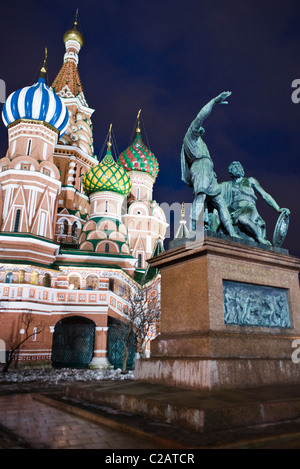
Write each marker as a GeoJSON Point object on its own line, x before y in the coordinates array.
{"type": "Point", "coordinates": [75, 233]}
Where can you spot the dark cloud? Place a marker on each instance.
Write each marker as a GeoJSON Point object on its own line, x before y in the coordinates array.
{"type": "Point", "coordinates": [170, 57]}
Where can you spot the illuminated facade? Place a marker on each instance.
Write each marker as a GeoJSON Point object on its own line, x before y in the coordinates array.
{"type": "Point", "coordinates": [75, 233]}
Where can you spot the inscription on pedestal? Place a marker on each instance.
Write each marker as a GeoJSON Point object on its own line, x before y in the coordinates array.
{"type": "Point", "coordinates": [247, 304]}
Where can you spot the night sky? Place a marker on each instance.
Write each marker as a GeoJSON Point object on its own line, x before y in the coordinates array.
{"type": "Point", "coordinates": [169, 58]}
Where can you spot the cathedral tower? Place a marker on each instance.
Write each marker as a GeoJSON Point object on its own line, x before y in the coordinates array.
{"type": "Point", "coordinates": [74, 153]}
{"type": "Point", "coordinates": [30, 182]}
{"type": "Point", "coordinates": [144, 219]}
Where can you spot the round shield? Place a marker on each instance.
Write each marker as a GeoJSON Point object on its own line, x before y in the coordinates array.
{"type": "Point", "coordinates": [281, 228]}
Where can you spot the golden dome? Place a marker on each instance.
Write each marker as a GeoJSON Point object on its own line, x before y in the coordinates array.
{"type": "Point", "coordinates": [74, 35]}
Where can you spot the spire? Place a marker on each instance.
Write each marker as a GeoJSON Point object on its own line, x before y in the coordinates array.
{"type": "Point", "coordinates": [76, 19]}
{"type": "Point", "coordinates": [43, 70]}
{"type": "Point", "coordinates": [74, 34]}
{"type": "Point", "coordinates": [182, 231]}
{"type": "Point", "coordinates": [109, 144]}
{"type": "Point", "coordinates": [138, 129]}
{"type": "Point", "coordinates": [68, 75]}
{"type": "Point", "coordinates": [108, 158]}
{"type": "Point", "coordinates": [67, 85]}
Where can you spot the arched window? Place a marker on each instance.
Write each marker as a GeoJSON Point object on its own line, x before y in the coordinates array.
{"type": "Point", "coordinates": [8, 278]}
{"type": "Point", "coordinates": [47, 280]}
{"type": "Point", "coordinates": [106, 247]}
{"type": "Point", "coordinates": [66, 227]}
{"type": "Point", "coordinates": [21, 276]}
{"type": "Point", "coordinates": [34, 279]}
{"type": "Point", "coordinates": [74, 281]}
{"type": "Point", "coordinates": [92, 282]}
{"type": "Point", "coordinates": [17, 220]}
{"type": "Point", "coordinates": [106, 206]}
{"type": "Point", "coordinates": [75, 229]}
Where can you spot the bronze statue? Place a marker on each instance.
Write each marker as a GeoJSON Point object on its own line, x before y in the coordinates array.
{"type": "Point", "coordinates": [240, 197]}
{"type": "Point", "coordinates": [197, 168]}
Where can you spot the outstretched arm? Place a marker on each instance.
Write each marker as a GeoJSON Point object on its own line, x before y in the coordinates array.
{"type": "Point", "coordinates": [267, 197]}
{"type": "Point", "coordinates": [206, 110]}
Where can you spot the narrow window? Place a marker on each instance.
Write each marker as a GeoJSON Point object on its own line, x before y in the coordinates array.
{"type": "Point", "coordinates": [139, 260]}
{"type": "Point", "coordinates": [17, 220]}
{"type": "Point", "coordinates": [74, 230]}
{"type": "Point", "coordinates": [106, 206]}
{"type": "Point", "coordinates": [107, 247]}
{"type": "Point", "coordinates": [28, 147]}
{"type": "Point", "coordinates": [66, 227]}
{"type": "Point", "coordinates": [138, 193]}
{"type": "Point", "coordinates": [34, 334]}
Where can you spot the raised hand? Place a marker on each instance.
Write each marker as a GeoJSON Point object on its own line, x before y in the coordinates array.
{"type": "Point", "coordinates": [286, 210]}
{"type": "Point", "coordinates": [221, 99]}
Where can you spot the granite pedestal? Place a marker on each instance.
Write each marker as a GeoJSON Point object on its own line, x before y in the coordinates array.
{"type": "Point", "coordinates": [199, 348]}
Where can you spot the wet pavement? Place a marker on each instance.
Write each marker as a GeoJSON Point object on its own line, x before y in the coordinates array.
{"type": "Point", "coordinates": [27, 423]}
{"type": "Point", "coordinates": [40, 416]}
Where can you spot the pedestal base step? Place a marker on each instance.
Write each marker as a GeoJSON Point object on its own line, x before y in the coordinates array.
{"type": "Point", "coordinates": [200, 411]}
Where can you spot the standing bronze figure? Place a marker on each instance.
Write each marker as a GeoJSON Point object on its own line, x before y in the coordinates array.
{"type": "Point", "coordinates": [197, 168]}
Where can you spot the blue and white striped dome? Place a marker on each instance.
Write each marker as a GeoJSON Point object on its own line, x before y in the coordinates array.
{"type": "Point", "coordinates": [36, 102]}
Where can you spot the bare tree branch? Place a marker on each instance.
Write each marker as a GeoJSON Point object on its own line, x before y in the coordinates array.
{"type": "Point", "coordinates": [143, 312]}
{"type": "Point", "coordinates": [15, 343]}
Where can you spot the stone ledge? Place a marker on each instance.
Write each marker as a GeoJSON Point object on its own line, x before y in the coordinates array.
{"type": "Point", "coordinates": [217, 374]}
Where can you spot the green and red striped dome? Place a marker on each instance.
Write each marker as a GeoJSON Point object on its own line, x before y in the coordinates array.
{"type": "Point", "coordinates": [137, 157]}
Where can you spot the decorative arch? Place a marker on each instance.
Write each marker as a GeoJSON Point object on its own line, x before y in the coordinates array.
{"type": "Point", "coordinates": [73, 342]}
{"type": "Point", "coordinates": [75, 228]}
{"type": "Point", "coordinates": [4, 164]}
{"type": "Point", "coordinates": [34, 279]}
{"type": "Point", "coordinates": [107, 225]}
{"type": "Point", "coordinates": [82, 237]}
{"type": "Point", "coordinates": [51, 167]}
{"type": "Point", "coordinates": [86, 246]}
{"type": "Point", "coordinates": [92, 281]}
{"type": "Point", "coordinates": [125, 249]}
{"type": "Point", "coordinates": [116, 235]}
{"type": "Point", "coordinates": [16, 162]}
{"type": "Point", "coordinates": [74, 280]}
{"type": "Point", "coordinates": [63, 226]}
{"type": "Point", "coordinates": [138, 208]}
{"type": "Point", "coordinates": [8, 276]}
{"type": "Point", "coordinates": [47, 280]}
{"type": "Point", "coordinates": [66, 227]}
{"type": "Point", "coordinates": [98, 234]}
{"type": "Point", "coordinates": [102, 247]}
{"type": "Point", "coordinates": [90, 226]}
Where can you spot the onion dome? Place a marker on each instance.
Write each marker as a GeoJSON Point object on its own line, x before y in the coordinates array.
{"type": "Point", "coordinates": [107, 176]}
{"type": "Point", "coordinates": [36, 102]}
{"type": "Point", "coordinates": [74, 34]}
{"type": "Point", "coordinates": [137, 157]}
